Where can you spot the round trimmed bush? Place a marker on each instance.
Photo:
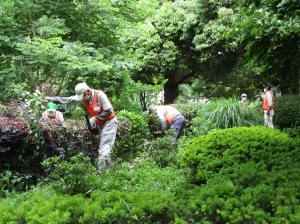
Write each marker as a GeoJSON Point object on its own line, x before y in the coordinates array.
{"type": "Point", "coordinates": [246, 175]}
{"type": "Point", "coordinates": [207, 155]}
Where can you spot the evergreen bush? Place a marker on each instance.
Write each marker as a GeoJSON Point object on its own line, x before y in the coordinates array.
{"type": "Point", "coordinates": [189, 110]}
{"type": "Point", "coordinates": [246, 175]}
{"type": "Point", "coordinates": [208, 154]}
{"type": "Point", "coordinates": [132, 132]}
{"type": "Point", "coordinates": [163, 151]}
{"type": "Point", "coordinates": [287, 111]}
{"type": "Point", "coordinates": [293, 132]}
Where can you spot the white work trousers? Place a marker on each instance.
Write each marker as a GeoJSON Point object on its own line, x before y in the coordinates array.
{"type": "Point", "coordinates": [269, 118]}
{"type": "Point", "coordinates": [107, 133]}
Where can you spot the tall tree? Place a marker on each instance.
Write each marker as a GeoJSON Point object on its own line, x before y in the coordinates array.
{"type": "Point", "coordinates": [173, 44]}
{"type": "Point", "coordinates": [269, 30]}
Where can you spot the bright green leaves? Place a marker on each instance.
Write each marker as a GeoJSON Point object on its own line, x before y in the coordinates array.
{"type": "Point", "coordinates": [221, 149]}
{"type": "Point", "coordinates": [49, 27]}
{"type": "Point", "coordinates": [270, 32]}
{"type": "Point", "coordinates": [183, 35]}
{"type": "Point", "coordinates": [215, 30]}
{"type": "Point", "coordinates": [65, 41]}
{"type": "Point", "coordinates": [55, 59]}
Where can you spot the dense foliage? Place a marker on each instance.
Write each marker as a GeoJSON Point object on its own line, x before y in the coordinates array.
{"type": "Point", "coordinates": [250, 177]}
{"type": "Point", "coordinates": [268, 31]}
{"type": "Point", "coordinates": [226, 168]}
{"type": "Point", "coordinates": [209, 154]}
{"type": "Point", "coordinates": [116, 46]}
{"type": "Point", "coordinates": [287, 111]}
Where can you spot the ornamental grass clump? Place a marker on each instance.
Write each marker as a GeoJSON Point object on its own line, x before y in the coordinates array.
{"type": "Point", "coordinates": [225, 113]}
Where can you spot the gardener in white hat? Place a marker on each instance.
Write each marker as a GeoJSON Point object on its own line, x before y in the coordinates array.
{"type": "Point", "coordinates": [170, 118]}
{"type": "Point", "coordinates": [244, 101]}
{"type": "Point", "coordinates": [103, 116]}
{"type": "Point", "coordinates": [52, 114]}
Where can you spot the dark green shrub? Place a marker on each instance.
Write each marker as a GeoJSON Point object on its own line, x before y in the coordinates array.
{"type": "Point", "coordinates": [287, 111]}
{"type": "Point", "coordinates": [153, 121]}
{"type": "Point", "coordinates": [293, 132]}
{"type": "Point", "coordinates": [13, 182]}
{"type": "Point", "coordinates": [162, 151]}
{"type": "Point", "coordinates": [189, 110]}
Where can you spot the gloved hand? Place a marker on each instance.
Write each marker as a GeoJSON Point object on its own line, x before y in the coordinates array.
{"type": "Point", "coordinates": [49, 98]}
{"type": "Point", "coordinates": [93, 122]}
{"type": "Point", "coordinates": [268, 113]}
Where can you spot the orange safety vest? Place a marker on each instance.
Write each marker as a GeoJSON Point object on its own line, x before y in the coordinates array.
{"type": "Point", "coordinates": [265, 103]}
{"type": "Point", "coordinates": [95, 103]}
{"type": "Point", "coordinates": [47, 117]}
{"type": "Point", "coordinates": [171, 113]}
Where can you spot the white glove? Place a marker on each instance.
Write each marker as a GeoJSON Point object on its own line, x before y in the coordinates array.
{"type": "Point", "coordinates": [93, 122]}
{"type": "Point", "coordinates": [49, 98]}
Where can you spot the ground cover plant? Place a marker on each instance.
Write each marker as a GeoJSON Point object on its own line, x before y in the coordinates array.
{"type": "Point", "coordinates": [235, 175]}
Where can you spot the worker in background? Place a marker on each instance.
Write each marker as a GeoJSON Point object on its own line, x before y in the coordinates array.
{"type": "Point", "coordinates": [268, 106]}
{"type": "Point", "coordinates": [52, 114]}
{"type": "Point", "coordinates": [244, 101]}
{"type": "Point", "coordinates": [170, 118]}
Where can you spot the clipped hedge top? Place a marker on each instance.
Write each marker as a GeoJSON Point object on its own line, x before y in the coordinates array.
{"type": "Point", "coordinates": [208, 154]}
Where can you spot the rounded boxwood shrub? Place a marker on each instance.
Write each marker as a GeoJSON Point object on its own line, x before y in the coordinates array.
{"type": "Point", "coordinates": [246, 175]}
{"type": "Point", "coordinates": [207, 155]}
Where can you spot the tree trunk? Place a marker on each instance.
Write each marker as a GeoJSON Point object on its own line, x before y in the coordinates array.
{"type": "Point", "coordinates": [170, 89]}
